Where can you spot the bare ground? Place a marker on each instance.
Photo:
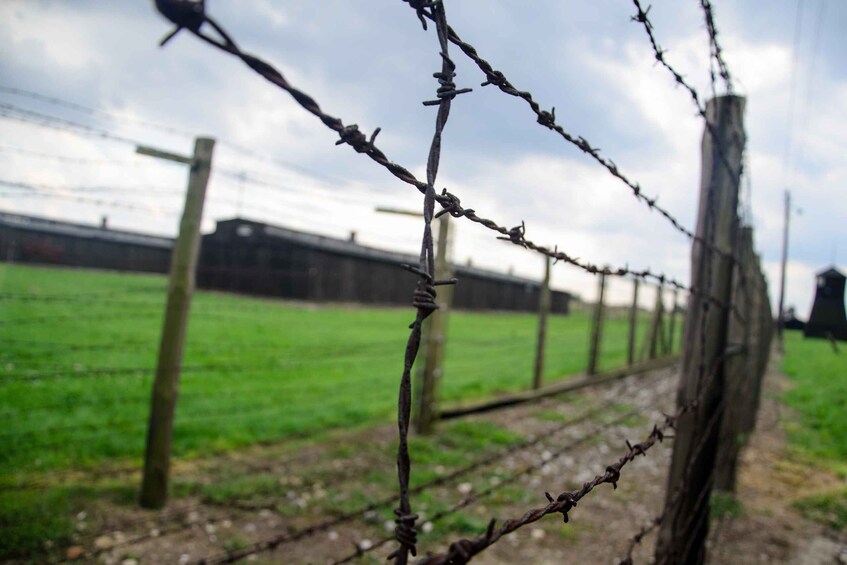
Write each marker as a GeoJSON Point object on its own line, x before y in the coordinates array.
{"type": "Point", "coordinates": [310, 483]}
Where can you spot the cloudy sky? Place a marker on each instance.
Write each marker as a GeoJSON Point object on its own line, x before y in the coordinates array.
{"type": "Point", "coordinates": [370, 63]}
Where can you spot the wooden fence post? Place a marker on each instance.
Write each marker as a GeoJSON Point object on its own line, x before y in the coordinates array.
{"type": "Point", "coordinates": [543, 312]}
{"type": "Point", "coordinates": [685, 523]}
{"type": "Point", "coordinates": [157, 459]}
{"type": "Point", "coordinates": [633, 325]}
{"type": "Point", "coordinates": [764, 332]}
{"type": "Point", "coordinates": [436, 335]}
{"type": "Point", "coordinates": [597, 328]}
{"type": "Point", "coordinates": [738, 376]}
{"type": "Point", "coordinates": [669, 344]}
{"type": "Point", "coordinates": [653, 337]}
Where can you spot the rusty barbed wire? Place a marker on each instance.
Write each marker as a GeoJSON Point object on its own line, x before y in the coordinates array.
{"type": "Point", "coordinates": [547, 119]}
{"type": "Point", "coordinates": [717, 52]}
{"type": "Point", "coordinates": [463, 550]}
{"type": "Point", "coordinates": [657, 520]}
{"type": "Point", "coordinates": [282, 539]}
{"type": "Point", "coordinates": [190, 15]}
{"type": "Point", "coordinates": [511, 479]}
{"type": "Point", "coordinates": [642, 17]}
{"type": "Point", "coordinates": [425, 294]}
{"type": "Point", "coordinates": [350, 135]}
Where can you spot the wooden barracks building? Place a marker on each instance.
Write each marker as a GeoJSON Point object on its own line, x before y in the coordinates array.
{"type": "Point", "coordinates": [254, 258]}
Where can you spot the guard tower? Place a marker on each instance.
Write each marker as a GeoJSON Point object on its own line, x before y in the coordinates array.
{"type": "Point", "coordinates": [828, 316]}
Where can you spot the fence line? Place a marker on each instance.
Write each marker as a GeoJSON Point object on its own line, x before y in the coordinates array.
{"type": "Point", "coordinates": [511, 479]}
{"type": "Point", "coordinates": [723, 282]}
{"type": "Point", "coordinates": [548, 120]}
{"type": "Point", "coordinates": [350, 135]}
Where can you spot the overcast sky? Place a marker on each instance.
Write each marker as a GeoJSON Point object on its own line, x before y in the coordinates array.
{"type": "Point", "coordinates": [370, 63]}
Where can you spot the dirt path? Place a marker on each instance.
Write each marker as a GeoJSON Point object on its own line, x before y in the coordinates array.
{"type": "Point", "coordinates": [273, 492]}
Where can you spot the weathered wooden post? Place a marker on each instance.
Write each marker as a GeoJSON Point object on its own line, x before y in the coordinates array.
{"type": "Point", "coordinates": [669, 345]}
{"type": "Point", "coordinates": [764, 332]}
{"type": "Point", "coordinates": [685, 524]}
{"type": "Point", "coordinates": [157, 459]}
{"type": "Point", "coordinates": [597, 327]}
{"type": "Point", "coordinates": [436, 335]}
{"type": "Point", "coordinates": [633, 325]}
{"type": "Point", "coordinates": [653, 336]}
{"type": "Point", "coordinates": [738, 377]}
{"type": "Point", "coordinates": [543, 312]}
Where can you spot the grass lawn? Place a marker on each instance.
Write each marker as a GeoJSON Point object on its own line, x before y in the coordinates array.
{"type": "Point", "coordinates": [79, 347]}
{"type": "Point", "coordinates": [819, 396]}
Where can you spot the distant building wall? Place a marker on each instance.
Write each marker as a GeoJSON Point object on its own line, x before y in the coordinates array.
{"type": "Point", "coordinates": [25, 239]}
{"type": "Point", "coordinates": [254, 258]}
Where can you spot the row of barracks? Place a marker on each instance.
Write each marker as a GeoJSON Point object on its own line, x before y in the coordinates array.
{"type": "Point", "coordinates": [254, 258]}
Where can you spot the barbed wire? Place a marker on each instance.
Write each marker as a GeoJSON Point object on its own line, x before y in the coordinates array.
{"type": "Point", "coordinates": [425, 294]}
{"type": "Point", "coordinates": [50, 189]}
{"type": "Point", "coordinates": [190, 15]}
{"type": "Point", "coordinates": [281, 539]}
{"type": "Point", "coordinates": [548, 120]}
{"type": "Point", "coordinates": [34, 191]}
{"type": "Point", "coordinates": [511, 479]}
{"type": "Point", "coordinates": [187, 16]}
{"type": "Point", "coordinates": [13, 112]}
{"type": "Point", "coordinates": [643, 18]}
{"type": "Point", "coordinates": [463, 550]}
{"type": "Point", "coordinates": [716, 51]}
{"type": "Point", "coordinates": [673, 499]}
{"type": "Point", "coordinates": [69, 158]}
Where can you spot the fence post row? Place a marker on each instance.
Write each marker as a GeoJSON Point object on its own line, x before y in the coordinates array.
{"type": "Point", "coordinates": [543, 312]}
{"type": "Point", "coordinates": [764, 330]}
{"type": "Point", "coordinates": [597, 328]}
{"type": "Point", "coordinates": [633, 325]}
{"type": "Point", "coordinates": [738, 375]}
{"type": "Point", "coordinates": [683, 530]}
{"type": "Point", "coordinates": [436, 334]}
{"type": "Point", "coordinates": [157, 458]}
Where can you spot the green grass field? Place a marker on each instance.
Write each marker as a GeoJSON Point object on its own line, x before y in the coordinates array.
{"type": "Point", "coordinates": [79, 347]}
{"type": "Point", "coordinates": [819, 434]}
{"type": "Point", "coordinates": [819, 395]}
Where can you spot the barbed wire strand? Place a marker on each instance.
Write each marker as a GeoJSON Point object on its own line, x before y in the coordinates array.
{"type": "Point", "coordinates": [194, 18]}
{"type": "Point", "coordinates": [716, 51]}
{"type": "Point", "coordinates": [281, 539]}
{"type": "Point", "coordinates": [511, 479]}
{"type": "Point", "coordinates": [463, 550]}
{"type": "Point", "coordinates": [548, 120]}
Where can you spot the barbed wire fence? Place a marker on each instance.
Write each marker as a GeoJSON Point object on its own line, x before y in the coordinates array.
{"type": "Point", "coordinates": [727, 329]}
{"type": "Point", "coordinates": [701, 395]}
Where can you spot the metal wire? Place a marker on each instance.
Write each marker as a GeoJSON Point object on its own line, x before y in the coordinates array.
{"type": "Point", "coordinates": [182, 13]}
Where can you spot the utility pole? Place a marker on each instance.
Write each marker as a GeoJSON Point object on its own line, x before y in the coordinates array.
{"type": "Point", "coordinates": [154, 486]}
{"type": "Point", "coordinates": [780, 316]}
{"type": "Point", "coordinates": [543, 312]}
